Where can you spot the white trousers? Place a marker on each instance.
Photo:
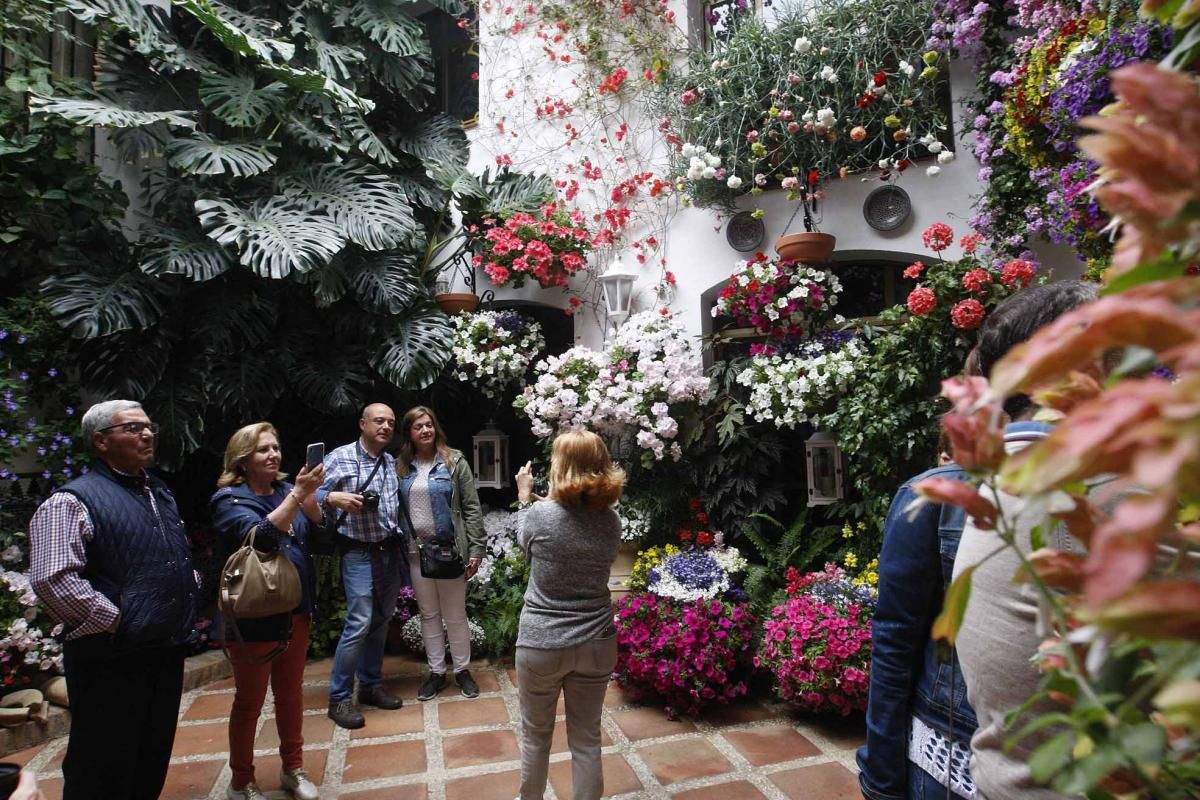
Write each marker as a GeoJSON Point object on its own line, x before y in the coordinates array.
{"type": "Point", "coordinates": [442, 600]}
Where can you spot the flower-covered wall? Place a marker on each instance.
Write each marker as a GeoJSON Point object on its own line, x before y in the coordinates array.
{"type": "Point", "coordinates": [598, 133]}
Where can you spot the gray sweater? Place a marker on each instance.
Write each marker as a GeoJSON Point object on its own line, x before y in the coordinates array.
{"type": "Point", "coordinates": [571, 551]}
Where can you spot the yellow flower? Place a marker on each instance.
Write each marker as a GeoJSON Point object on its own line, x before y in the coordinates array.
{"type": "Point", "coordinates": [847, 531]}
{"type": "Point", "coordinates": [850, 560]}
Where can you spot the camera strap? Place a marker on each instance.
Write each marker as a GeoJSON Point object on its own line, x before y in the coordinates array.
{"type": "Point", "coordinates": [342, 516]}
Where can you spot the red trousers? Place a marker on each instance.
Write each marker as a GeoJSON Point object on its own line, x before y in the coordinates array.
{"type": "Point", "coordinates": [285, 673]}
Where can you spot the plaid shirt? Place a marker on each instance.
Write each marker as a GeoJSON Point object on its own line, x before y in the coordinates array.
{"type": "Point", "coordinates": [58, 536]}
{"type": "Point", "coordinates": [345, 470]}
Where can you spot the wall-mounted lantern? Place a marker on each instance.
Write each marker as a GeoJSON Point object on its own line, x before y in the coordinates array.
{"type": "Point", "coordinates": [491, 457]}
{"type": "Point", "coordinates": [617, 282]}
{"type": "Point", "coordinates": [824, 460]}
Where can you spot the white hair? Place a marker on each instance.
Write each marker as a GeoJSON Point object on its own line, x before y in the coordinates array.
{"type": "Point", "coordinates": [101, 415]}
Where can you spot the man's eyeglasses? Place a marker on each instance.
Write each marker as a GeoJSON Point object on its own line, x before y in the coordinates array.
{"type": "Point", "coordinates": [133, 428]}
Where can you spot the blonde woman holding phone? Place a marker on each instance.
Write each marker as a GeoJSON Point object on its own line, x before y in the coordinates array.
{"type": "Point", "coordinates": [567, 638]}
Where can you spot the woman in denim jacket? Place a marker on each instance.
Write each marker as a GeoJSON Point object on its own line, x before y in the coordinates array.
{"type": "Point", "coordinates": [438, 489]}
{"type": "Point", "coordinates": [919, 723]}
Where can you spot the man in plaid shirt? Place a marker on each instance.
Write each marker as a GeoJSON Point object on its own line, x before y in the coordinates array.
{"type": "Point", "coordinates": [111, 561]}
{"type": "Point", "coordinates": [362, 489]}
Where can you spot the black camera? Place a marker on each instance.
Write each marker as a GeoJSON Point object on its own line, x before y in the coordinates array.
{"type": "Point", "coordinates": [370, 499]}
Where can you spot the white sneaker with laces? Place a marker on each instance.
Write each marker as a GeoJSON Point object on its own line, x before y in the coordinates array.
{"type": "Point", "coordinates": [249, 792]}
{"type": "Point", "coordinates": [299, 784]}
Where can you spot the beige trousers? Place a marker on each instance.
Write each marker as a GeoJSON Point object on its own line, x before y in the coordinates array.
{"type": "Point", "coordinates": [581, 673]}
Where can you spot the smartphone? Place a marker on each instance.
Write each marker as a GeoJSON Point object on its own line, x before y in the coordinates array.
{"type": "Point", "coordinates": [315, 455]}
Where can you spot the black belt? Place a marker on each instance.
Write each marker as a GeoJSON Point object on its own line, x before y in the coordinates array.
{"type": "Point", "coordinates": [345, 543]}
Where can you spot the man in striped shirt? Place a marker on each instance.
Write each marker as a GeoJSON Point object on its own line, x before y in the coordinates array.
{"type": "Point", "coordinates": [111, 561]}
{"type": "Point", "coordinates": [362, 489]}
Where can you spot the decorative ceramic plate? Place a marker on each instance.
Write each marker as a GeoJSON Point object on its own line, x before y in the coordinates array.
{"type": "Point", "coordinates": [745, 233]}
{"type": "Point", "coordinates": [887, 208]}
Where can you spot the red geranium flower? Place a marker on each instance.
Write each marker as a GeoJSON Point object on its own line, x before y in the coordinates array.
{"type": "Point", "coordinates": [1018, 272]}
{"type": "Point", "coordinates": [921, 301]}
{"type": "Point", "coordinates": [938, 236]}
{"type": "Point", "coordinates": [977, 280]}
{"type": "Point", "coordinates": [914, 270]}
{"type": "Point", "coordinates": [967, 315]}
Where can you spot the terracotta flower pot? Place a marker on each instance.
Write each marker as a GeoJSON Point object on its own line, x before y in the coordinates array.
{"type": "Point", "coordinates": [457, 302]}
{"type": "Point", "coordinates": [807, 248]}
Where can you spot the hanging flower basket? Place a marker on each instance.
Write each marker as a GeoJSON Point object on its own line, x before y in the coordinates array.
{"type": "Point", "coordinates": [457, 302]}
{"type": "Point", "coordinates": [807, 248]}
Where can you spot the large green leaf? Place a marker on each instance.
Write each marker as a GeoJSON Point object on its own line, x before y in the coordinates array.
{"type": "Point", "coordinates": [172, 251]}
{"type": "Point", "coordinates": [100, 303]}
{"type": "Point", "coordinates": [178, 404]}
{"type": "Point", "coordinates": [368, 208]}
{"type": "Point", "coordinates": [388, 282]}
{"type": "Point", "coordinates": [274, 236]}
{"type": "Point", "coordinates": [233, 317]}
{"type": "Point", "coordinates": [389, 26]}
{"type": "Point", "coordinates": [367, 141]}
{"type": "Point", "coordinates": [409, 76]}
{"type": "Point", "coordinates": [249, 383]}
{"type": "Point", "coordinates": [438, 137]}
{"type": "Point", "coordinates": [236, 99]}
{"type": "Point", "coordinates": [106, 113]}
{"type": "Point", "coordinates": [452, 7]}
{"type": "Point", "coordinates": [332, 381]}
{"type": "Point", "coordinates": [419, 192]}
{"type": "Point", "coordinates": [313, 134]}
{"type": "Point", "coordinates": [144, 21]}
{"type": "Point", "coordinates": [200, 154]}
{"type": "Point", "coordinates": [127, 364]}
{"type": "Point", "coordinates": [309, 80]}
{"type": "Point", "coordinates": [415, 355]}
{"type": "Point", "coordinates": [240, 33]}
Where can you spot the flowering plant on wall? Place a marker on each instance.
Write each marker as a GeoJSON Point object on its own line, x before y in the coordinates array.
{"type": "Point", "coordinates": [493, 349]}
{"type": "Point", "coordinates": [791, 388]}
{"type": "Point", "coordinates": [817, 643]}
{"type": "Point", "coordinates": [639, 386]}
{"type": "Point", "coordinates": [1042, 68]}
{"type": "Point", "coordinates": [779, 298]}
{"type": "Point", "coordinates": [550, 247]}
{"type": "Point", "coordinates": [820, 92]}
{"type": "Point", "coordinates": [960, 293]}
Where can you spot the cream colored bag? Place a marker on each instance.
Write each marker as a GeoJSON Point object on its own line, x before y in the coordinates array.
{"type": "Point", "coordinates": [256, 585]}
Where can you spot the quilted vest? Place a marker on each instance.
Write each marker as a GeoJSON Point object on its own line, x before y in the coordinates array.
{"type": "Point", "coordinates": [138, 559]}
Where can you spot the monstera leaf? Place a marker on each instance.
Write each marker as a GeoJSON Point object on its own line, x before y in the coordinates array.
{"type": "Point", "coordinates": [178, 404]}
{"type": "Point", "coordinates": [387, 282]}
{"type": "Point", "coordinates": [240, 33]}
{"type": "Point", "coordinates": [410, 76]}
{"type": "Point", "coordinates": [145, 22]}
{"type": "Point", "coordinates": [201, 154]}
{"type": "Point", "coordinates": [368, 208]}
{"type": "Point", "coordinates": [332, 381]}
{"type": "Point", "coordinates": [415, 355]}
{"type": "Point", "coordinates": [389, 26]}
{"type": "Point", "coordinates": [274, 236]}
{"type": "Point", "coordinates": [367, 141]}
{"type": "Point", "coordinates": [128, 364]}
{"type": "Point", "coordinates": [105, 113]}
{"type": "Point", "coordinates": [170, 251]}
{"type": "Point", "coordinates": [439, 138]}
{"type": "Point", "coordinates": [236, 100]}
{"type": "Point", "coordinates": [249, 383]}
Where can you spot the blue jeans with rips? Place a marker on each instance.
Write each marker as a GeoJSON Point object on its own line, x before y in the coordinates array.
{"type": "Point", "coordinates": [361, 647]}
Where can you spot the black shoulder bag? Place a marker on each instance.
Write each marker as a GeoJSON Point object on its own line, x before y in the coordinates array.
{"type": "Point", "coordinates": [324, 544]}
{"type": "Point", "coordinates": [439, 560]}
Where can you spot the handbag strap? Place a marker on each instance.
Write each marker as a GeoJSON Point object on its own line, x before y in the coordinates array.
{"type": "Point", "coordinates": [342, 516]}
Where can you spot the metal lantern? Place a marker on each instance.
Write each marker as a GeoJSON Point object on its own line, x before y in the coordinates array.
{"type": "Point", "coordinates": [824, 469]}
{"type": "Point", "coordinates": [617, 282]}
{"type": "Point", "coordinates": [491, 457]}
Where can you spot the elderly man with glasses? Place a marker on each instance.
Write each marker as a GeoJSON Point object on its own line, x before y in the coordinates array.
{"type": "Point", "coordinates": [112, 563]}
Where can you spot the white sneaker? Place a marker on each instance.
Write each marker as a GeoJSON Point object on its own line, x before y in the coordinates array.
{"type": "Point", "coordinates": [250, 792]}
{"type": "Point", "coordinates": [300, 785]}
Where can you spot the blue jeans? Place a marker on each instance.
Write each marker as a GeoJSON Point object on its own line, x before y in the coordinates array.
{"type": "Point", "coordinates": [361, 646]}
{"type": "Point", "coordinates": [922, 786]}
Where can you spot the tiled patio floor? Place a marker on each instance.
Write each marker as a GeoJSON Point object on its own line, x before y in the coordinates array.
{"type": "Point", "coordinates": [457, 749]}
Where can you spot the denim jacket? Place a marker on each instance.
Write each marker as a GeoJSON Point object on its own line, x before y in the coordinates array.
{"type": "Point", "coordinates": [457, 514]}
{"type": "Point", "coordinates": [907, 676]}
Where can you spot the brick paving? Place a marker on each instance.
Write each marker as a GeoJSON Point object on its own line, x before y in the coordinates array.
{"type": "Point", "coordinates": [452, 748]}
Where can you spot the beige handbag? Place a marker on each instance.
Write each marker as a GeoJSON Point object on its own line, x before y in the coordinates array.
{"type": "Point", "coordinates": [255, 585]}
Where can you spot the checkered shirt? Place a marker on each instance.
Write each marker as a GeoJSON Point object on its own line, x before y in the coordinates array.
{"type": "Point", "coordinates": [345, 470]}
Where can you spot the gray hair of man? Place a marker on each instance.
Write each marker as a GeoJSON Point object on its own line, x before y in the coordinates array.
{"type": "Point", "coordinates": [100, 416]}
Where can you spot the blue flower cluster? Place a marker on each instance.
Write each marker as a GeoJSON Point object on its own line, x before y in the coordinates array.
{"type": "Point", "coordinates": [841, 592]}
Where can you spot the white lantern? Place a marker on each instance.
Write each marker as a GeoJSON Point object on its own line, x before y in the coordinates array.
{"type": "Point", "coordinates": [617, 282]}
{"type": "Point", "coordinates": [491, 457]}
{"type": "Point", "coordinates": [824, 469]}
